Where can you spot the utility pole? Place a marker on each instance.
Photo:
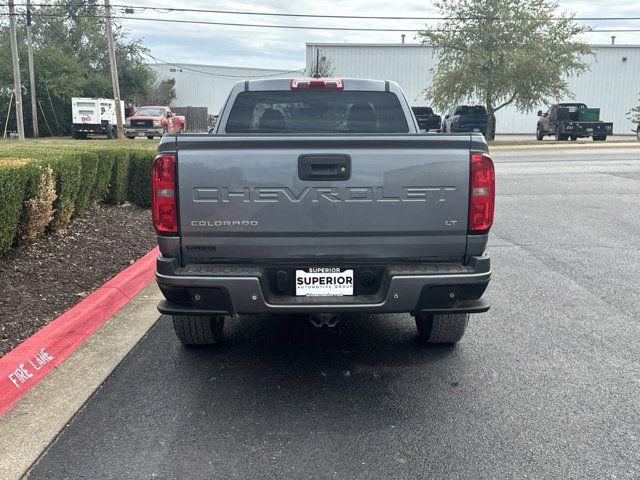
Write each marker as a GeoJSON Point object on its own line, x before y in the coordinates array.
{"type": "Point", "coordinates": [17, 86]}
{"type": "Point", "coordinates": [114, 69]}
{"type": "Point", "coordinates": [32, 75]}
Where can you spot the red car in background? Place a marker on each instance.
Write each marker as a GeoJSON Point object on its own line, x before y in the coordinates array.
{"type": "Point", "coordinates": [153, 121]}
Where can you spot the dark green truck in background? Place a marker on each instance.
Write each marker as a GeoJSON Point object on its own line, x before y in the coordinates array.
{"type": "Point", "coordinates": [572, 121]}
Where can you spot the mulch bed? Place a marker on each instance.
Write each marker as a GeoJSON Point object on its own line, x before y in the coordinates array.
{"type": "Point", "coordinates": [42, 279]}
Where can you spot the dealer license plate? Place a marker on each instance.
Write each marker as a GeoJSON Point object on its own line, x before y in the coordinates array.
{"type": "Point", "coordinates": [324, 282]}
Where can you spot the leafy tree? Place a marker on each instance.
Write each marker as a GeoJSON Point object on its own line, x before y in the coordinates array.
{"type": "Point", "coordinates": [70, 60]}
{"type": "Point", "coordinates": [634, 115]}
{"type": "Point", "coordinates": [503, 52]}
{"type": "Point", "coordinates": [162, 93]}
{"type": "Point", "coordinates": [325, 68]}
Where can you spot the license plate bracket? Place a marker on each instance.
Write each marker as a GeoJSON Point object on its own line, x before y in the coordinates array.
{"type": "Point", "coordinates": [324, 282]}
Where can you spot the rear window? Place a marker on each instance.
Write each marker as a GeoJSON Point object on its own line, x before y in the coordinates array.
{"type": "Point", "coordinates": [471, 110]}
{"type": "Point", "coordinates": [422, 110]}
{"type": "Point", "coordinates": [286, 111]}
{"type": "Point", "coordinates": [573, 107]}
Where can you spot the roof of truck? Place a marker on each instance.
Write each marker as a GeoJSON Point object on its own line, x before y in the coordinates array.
{"type": "Point", "coordinates": [285, 83]}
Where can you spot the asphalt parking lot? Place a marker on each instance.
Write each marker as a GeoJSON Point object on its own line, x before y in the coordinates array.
{"type": "Point", "coordinates": [544, 385]}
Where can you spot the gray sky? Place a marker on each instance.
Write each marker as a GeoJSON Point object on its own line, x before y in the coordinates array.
{"type": "Point", "coordinates": [279, 48]}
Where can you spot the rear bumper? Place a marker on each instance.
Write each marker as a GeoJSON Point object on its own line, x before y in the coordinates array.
{"type": "Point", "coordinates": [90, 127]}
{"type": "Point", "coordinates": [469, 129]}
{"type": "Point", "coordinates": [231, 290]}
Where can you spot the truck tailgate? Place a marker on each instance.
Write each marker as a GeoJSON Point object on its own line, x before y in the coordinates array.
{"type": "Point", "coordinates": [288, 198]}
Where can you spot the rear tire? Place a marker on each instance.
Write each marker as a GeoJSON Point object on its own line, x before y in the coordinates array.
{"type": "Point", "coordinates": [441, 328]}
{"type": "Point", "coordinates": [111, 133]}
{"type": "Point", "coordinates": [539, 133]}
{"type": "Point", "coordinates": [599, 138]}
{"type": "Point", "coordinates": [198, 329]}
{"type": "Point", "coordinates": [150, 137]}
{"type": "Point", "coordinates": [573, 138]}
{"type": "Point", "coordinates": [559, 136]}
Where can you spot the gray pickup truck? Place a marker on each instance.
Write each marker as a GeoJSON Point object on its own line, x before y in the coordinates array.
{"type": "Point", "coordinates": [321, 197]}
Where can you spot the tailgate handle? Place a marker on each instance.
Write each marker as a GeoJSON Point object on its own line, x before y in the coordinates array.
{"type": "Point", "coordinates": [324, 167]}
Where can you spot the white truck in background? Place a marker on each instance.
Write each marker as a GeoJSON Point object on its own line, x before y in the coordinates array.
{"type": "Point", "coordinates": [94, 116]}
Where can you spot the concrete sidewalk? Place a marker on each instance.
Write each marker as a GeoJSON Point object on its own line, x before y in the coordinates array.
{"type": "Point", "coordinates": [29, 427]}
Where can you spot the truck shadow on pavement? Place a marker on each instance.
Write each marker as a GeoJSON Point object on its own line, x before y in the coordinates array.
{"type": "Point", "coordinates": [353, 374]}
{"type": "Point", "coordinates": [277, 396]}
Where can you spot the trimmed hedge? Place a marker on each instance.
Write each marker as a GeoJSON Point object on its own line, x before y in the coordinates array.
{"type": "Point", "coordinates": [45, 185]}
{"type": "Point", "coordinates": [67, 172]}
{"type": "Point", "coordinates": [139, 188]}
{"type": "Point", "coordinates": [13, 177]}
{"type": "Point", "coordinates": [40, 193]}
{"type": "Point", "coordinates": [88, 175]}
{"type": "Point", "coordinates": [118, 183]}
{"type": "Point", "coordinates": [103, 175]}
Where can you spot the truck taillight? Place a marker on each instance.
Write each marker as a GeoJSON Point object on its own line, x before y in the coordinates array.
{"type": "Point", "coordinates": [309, 84]}
{"type": "Point", "coordinates": [163, 194]}
{"type": "Point", "coordinates": [482, 193]}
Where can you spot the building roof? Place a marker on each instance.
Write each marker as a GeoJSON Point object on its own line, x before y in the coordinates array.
{"type": "Point", "coordinates": [342, 44]}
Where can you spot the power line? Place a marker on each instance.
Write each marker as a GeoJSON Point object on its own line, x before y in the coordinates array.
{"type": "Point", "coordinates": [202, 72]}
{"type": "Point", "coordinates": [292, 27]}
{"type": "Point", "coordinates": [310, 15]}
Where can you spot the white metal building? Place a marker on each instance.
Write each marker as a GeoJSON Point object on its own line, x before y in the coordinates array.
{"type": "Point", "coordinates": [612, 82]}
{"type": "Point", "coordinates": [209, 85]}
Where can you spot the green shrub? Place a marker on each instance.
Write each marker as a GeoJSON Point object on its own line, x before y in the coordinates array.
{"type": "Point", "coordinates": [139, 189]}
{"type": "Point", "coordinates": [67, 171]}
{"type": "Point", "coordinates": [117, 193]}
{"type": "Point", "coordinates": [40, 194]}
{"type": "Point", "coordinates": [103, 175]}
{"type": "Point", "coordinates": [13, 178]}
{"type": "Point", "coordinates": [88, 175]}
{"type": "Point", "coordinates": [45, 183]}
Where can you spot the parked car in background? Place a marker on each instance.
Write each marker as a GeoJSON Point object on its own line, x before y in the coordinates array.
{"type": "Point", "coordinates": [572, 121]}
{"type": "Point", "coordinates": [153, 121]}
{"type": "Point", "coordinates": [465, 118]}
{"type": "Point", "coordinates": [427, 120]}
{"type": "Point", "coordinates": [321, 197]}
{"type": "Point", "coordinates": [91, 116]}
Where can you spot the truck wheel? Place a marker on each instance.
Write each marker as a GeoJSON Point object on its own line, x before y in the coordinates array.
{"type": "Point", "coordinates": [539, 133]}
{"type": "Point", "coordinates": [198, 329]}
{"type": "Point", "coordinates": [599, 138]}
{"type": "Point", "coordinates": [559, 136]}
{"type": "Point", "coordinates": [111, 133]}
{"type": "Point", "coordinates": [441, 328]}
{"type": "Point", "coordinates": [150, 137]}
{"type": "Point", "coordinates": [131, 137]}
{"type": "Point", "coordinates": [573, 138]}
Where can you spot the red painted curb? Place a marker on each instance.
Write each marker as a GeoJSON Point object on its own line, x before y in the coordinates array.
{"type": "Point", "coordinates": [27, 364]}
